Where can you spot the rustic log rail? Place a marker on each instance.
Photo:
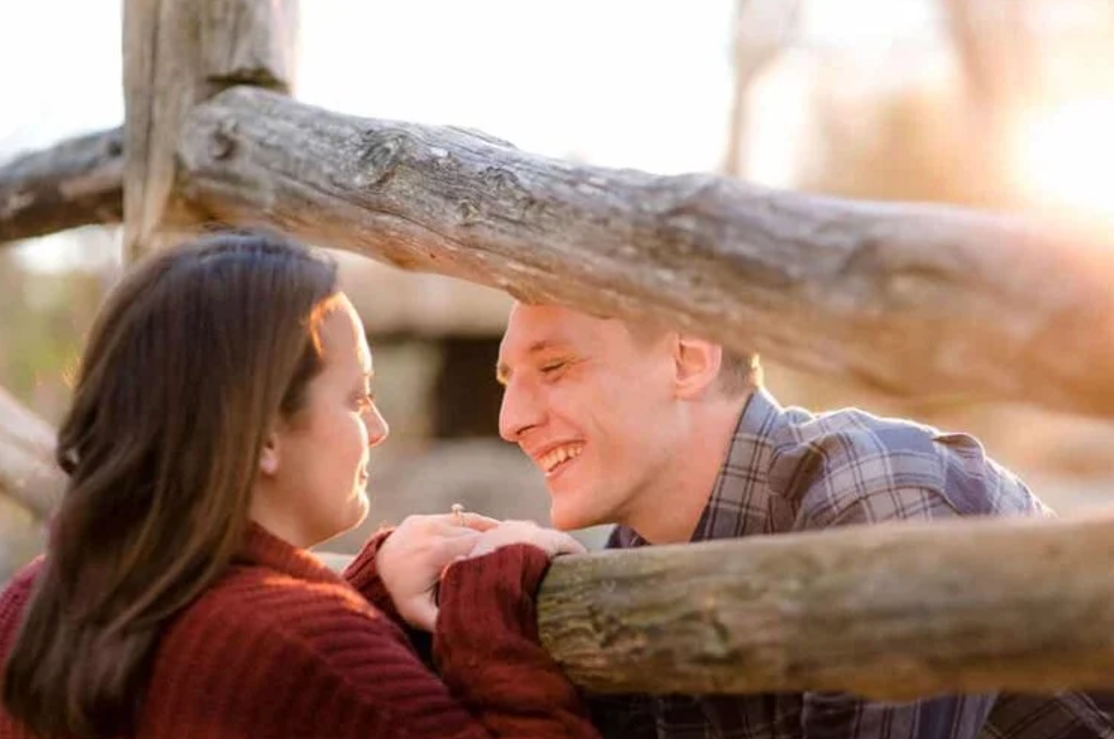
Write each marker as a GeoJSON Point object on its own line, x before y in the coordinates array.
{"type": "Point", "coordinates": [890, 611]}
{"type": "Point", "coordinates": [912, 299]}
{"type": "Point", "coordinates": [78, 182]}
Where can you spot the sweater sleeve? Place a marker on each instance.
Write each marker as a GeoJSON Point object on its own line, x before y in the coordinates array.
{"type": "Point", "coordinates": [486, 645]}
{"type": "Point", "coordinates": [316, 660]}
{"type": "Point", "coordinates": [362, 574]}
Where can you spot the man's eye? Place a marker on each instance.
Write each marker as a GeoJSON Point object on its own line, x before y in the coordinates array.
{"type": "Point", "coordinates": [365, 400]}
{"type": "Point", "coordinates": [553, 367]}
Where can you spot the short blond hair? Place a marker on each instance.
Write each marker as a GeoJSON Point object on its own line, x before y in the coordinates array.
{"type": "Point", "coordinates": [739, 372]}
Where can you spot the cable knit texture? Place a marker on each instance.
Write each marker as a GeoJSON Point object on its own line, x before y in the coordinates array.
{"type": "Point", "coordinates": [283, 647]}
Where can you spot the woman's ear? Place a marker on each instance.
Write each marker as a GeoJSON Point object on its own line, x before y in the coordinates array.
{"type": "Point", "coordinates": [269, 457]}
{"type": "Point", "coordinates": [696, 365]}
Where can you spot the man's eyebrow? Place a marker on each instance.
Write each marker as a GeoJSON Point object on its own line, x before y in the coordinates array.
{"type": "Point", "coordinates": [503, 371]}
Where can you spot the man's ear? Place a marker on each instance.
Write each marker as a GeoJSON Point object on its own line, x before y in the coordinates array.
{"type": "Point", "coordinates": [696, 365]}
{"type": "Point", "coordinates": [269, 457]}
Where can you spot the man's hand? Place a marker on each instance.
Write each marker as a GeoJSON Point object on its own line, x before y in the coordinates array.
{"type": "Point", "coordinates": [411, 560]}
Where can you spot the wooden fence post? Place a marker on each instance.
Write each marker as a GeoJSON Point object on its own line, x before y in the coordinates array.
{"type": "Point", "coordinates": [176, 55]}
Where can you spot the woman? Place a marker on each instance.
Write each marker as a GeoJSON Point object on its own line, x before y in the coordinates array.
{"type": "Point", "coordinates": [220, 425]}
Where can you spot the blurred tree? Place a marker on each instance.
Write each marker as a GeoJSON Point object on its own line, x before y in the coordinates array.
{"type": "Point", "coordinates": [762, 29]}
{"type": "Point", "coordinates": [49, 293]}
{"type": "Point", "coordinates": [44, 316]}
{"type": "Point", "coordinates": [995, 47]}
{"type": "Point", "coordinates": [935, 123]}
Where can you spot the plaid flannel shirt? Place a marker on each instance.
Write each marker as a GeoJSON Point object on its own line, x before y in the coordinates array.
{"type": "Point", "coordinates": [789, 470]}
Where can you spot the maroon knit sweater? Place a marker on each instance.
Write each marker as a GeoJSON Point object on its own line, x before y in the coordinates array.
{"type": "Point", "coordinates": [283, 647]}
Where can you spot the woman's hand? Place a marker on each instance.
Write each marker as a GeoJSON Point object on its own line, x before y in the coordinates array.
{"type": "Point", "coordinates": [551, 541]}
{"type": "Point", "coordinates": [410, 561]}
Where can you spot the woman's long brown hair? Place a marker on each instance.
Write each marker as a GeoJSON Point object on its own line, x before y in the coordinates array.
{"type": "Point", "coordinates": [193, 357]}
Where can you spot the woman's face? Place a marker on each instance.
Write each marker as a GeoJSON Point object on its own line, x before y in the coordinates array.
{"type": "Point", "coordinates": [314, 470]}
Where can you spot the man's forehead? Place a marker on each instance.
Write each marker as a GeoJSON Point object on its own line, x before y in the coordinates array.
{"type": "Point", "coordinates": [532, 328]}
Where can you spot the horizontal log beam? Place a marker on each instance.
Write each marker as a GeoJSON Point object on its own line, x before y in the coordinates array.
{"type": "Point", "coordinates": [28, 473]}
{"type": "Point", "coordinates": [78, 182]}
{"type": "Point", "coordinates": [912, 299]}
{"type": "Point", "coordinates": [888, 612]}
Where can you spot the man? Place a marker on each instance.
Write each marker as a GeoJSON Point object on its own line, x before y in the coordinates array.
{"type": "Point", "coordinates": [674, 439]}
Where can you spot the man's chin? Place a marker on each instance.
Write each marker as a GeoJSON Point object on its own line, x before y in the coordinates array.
{"type": "Point", "coordinates": [568, 518]}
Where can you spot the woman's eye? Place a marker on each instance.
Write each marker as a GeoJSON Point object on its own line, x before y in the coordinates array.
{"type": "Point", "coordinates": [365, 400]}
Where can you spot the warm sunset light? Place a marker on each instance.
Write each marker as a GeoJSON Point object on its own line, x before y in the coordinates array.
{"type": "Point", "coordinates": [1064, 156]}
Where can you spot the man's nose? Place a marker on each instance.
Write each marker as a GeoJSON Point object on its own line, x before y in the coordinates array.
{"type": "Point", "coordinates": [521, 410]}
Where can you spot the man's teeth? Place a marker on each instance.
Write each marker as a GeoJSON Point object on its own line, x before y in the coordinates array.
{"type": "Point", "coordinates": [550, 461]}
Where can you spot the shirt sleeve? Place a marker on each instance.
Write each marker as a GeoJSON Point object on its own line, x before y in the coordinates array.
{"type": "Point", "coordinates": [1071, 715]}
{"type": "Point", "coordinates": [840, 716]}
{"type": "Point", "coordinates": [622, 716]}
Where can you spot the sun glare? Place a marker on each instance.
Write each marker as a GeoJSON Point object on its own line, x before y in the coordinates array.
{"type": "Point", "coordinates": [1064, 157]}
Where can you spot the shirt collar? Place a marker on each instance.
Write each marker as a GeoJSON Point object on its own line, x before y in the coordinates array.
{"type": "Point", "coordinates": [741, 502]}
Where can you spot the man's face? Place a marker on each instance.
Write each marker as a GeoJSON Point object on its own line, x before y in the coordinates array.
{"type": "Point", "coordinates": [590, 406]}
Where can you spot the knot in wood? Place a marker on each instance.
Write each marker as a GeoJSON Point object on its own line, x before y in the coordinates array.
{"type": "Point", "coordinates": [509, 190]}
{"type": "Point", "coordinates": [114, 146]}
{"type": "Point", "coordinates": [221, 143]}
{"type": "Point", "coordinates": [380, 157]}
{"type": "Point", "coordinates": [467, 212]}
{"type": "Point", "coordinates": [501, 180]}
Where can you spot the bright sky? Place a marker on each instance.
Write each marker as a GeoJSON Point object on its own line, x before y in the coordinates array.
{"type": "Point", "coordinates": [628, 83]}
{"type": "Point", "coordinates": [642, 83]}
{"type": "Point", "coordinates": [625, 83]}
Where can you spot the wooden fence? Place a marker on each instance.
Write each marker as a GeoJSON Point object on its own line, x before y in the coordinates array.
{"type": "Point", "coordinates": [897, 296]}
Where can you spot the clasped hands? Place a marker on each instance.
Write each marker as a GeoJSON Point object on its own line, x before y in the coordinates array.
{"type": "Point", "coordinates": [415, 555]}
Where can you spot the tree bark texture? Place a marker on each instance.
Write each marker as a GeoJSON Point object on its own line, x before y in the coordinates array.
{"type": "Point", "coordinates": [75, 183]}
{"type": "Point", "coordinates": [917, 300]}
{"type": "Point", "coordinates": [890, 611]}
{"type": "Point", "coordinates": [177, 54]}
